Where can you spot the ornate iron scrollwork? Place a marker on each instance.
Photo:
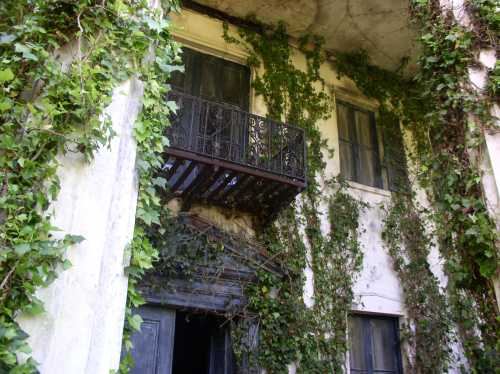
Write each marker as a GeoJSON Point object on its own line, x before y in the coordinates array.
{"type": "Point", "coordinates": [225, 132]}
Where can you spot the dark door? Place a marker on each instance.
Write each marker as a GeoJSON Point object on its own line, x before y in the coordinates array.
{"type": "Point", "coordinates": [181, 343]}
{"type": "Point", "coordinates": [153, 345]}
{"type": "Point", "coordinates": [374, 345]}
{"type": "Point", "coordinates": [221, 353]}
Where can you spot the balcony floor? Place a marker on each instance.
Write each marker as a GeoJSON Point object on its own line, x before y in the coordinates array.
{"type": "Point", "coordinates": [198, 178]}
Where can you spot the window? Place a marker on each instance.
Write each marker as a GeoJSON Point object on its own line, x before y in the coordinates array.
{"type": "Point", "coordinates": [360, 159]}
{"type": "Point", "coordinates": [394, 160]}
{"type": "Point", "coordinates": [213, 79]}
{"type": "Point", "coordinates": [359, 153]}
{"type": "Point", "coordinates": [374, 345]}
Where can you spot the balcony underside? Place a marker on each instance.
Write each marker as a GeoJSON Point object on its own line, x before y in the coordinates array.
{"type": "Point", "coordinates": [198, 178]}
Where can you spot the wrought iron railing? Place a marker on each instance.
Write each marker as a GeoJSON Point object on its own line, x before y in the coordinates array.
{"type": "Point", "coordinates": [225, 132]}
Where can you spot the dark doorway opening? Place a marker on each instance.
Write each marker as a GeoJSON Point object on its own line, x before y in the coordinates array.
{"type": "Point", "coordinates": [200, 344]}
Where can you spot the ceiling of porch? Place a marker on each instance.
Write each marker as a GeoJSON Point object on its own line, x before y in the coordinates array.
{"type": "Point", "coordinates": [381, 27]}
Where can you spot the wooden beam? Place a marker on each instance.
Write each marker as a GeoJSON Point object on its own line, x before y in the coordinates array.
{"type": "Point", "coordinates": [183, 176]}
{"type": "Point", "coordinates": [235, 167]}
{"type": "Point", "coordinates": [221, 186]}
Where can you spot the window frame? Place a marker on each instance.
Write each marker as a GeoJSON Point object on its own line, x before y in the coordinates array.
{"type": "Point", "coordinates": [355, 146]}
{"type": "Point", "coordinates": [367, 336]}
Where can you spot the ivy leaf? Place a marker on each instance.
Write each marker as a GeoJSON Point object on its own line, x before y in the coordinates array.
{"type": "Point", "coordinates": [6, 75]}
{"type": "Point", "coordinates": [487, 268]}
{"type": "Point", "coordinates": [7, 38]}
{"type": "Point", "coordinates": [160, 182]}
{"type": "Point", "coordinates": [5, 104]}
{"type": "Point", "coordinates": [66, 264]}
{"type": "Point", "coordinates": [155, 25]}
{"type": "Point", "coordinates": [135, 322]}
{"type": "Point", "coordinates": [26, 51]}
{"type": "Point", "coordinates": [168, 68]}
{"type": "Point", "coordinates": [21, 249]}
{"type": "Point", "coordinates": [149, 216]}
{"type": "Point", "coordinates": [74, 239]}
{"type": "Point", "coordinates": [9, 333]}
{"type": "Point", "coordinates": [172, 106]}
{"type": "Point", "coordinates": [34, 308]}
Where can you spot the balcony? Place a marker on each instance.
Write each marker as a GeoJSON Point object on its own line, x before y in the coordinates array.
{"type": "Point", "coordinates": [219, 154]}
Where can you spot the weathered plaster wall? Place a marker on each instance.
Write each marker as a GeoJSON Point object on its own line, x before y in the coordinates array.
{"type": "Point", "coordinates": [377, 289]}
{"type": "Point", "coordinates": [489, 159]}
{"type": "Point", "coordinates": [81, 331]}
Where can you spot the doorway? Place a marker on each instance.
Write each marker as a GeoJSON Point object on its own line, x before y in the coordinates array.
{"type": "Point", "coordinates": [200, 345]}
{"type": "Point", "coordinates": [180, 342]}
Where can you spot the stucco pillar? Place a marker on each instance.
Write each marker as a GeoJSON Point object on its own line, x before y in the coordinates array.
{"type": "Point", "coordinates": [490, 159]}
{"type": "Point", "coordinates": [81, 330]}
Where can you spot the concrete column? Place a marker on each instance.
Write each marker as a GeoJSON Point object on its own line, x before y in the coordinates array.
{"type": "Point", "coordinates": [81, 330]}
{"type": "Point", "coordinates": [489, 160]}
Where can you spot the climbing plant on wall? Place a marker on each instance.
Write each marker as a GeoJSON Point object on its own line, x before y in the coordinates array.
{"type": "Point", "coordinates": [314, 338]}
{"type": "Point", "coordinates": [428, 330]}
{"type": "Point", "coordinates": [446, 117]}
{"type": "Point", "coordinates": [60, 62]}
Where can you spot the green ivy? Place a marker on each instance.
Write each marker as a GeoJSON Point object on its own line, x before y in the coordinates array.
{"type": "Point", "coordinates": [150, 134]}
{"type": "Point", "coordinates": [314, 338]}
{"type": "Point", "coordinates": [51, 105]}
{"type": "Point", "coordinates": [445, 115]}
{"type": "Point", "coordinates": [428, 331]}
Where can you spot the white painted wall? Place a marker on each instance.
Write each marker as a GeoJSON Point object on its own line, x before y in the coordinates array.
{"type": "Point", "coordinates": [81, 331]}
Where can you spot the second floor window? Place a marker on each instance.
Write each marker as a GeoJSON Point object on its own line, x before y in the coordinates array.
{"type": "Point", "coordinates": [359, 153]}
{"type": "Point", "coordinates": [213, 78]}
{"type": "Point", "coordinates": [360, 158]}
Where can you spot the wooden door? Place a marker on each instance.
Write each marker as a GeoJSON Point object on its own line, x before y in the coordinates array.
{"type": "Point", "coordinates": [153, 345]}
{"type": "Point", "coordinates": [221, 352]}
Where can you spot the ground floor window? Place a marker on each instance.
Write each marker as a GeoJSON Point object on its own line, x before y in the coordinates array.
{"type": "Point", "coordinates": [374, 342]}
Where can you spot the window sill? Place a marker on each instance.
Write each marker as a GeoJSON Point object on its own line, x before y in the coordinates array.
{"type": "Point", "coordinates": [369, 189]}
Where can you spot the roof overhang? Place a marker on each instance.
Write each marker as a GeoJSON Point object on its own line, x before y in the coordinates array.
{"type": "Point", "coordinates": [380, 27]}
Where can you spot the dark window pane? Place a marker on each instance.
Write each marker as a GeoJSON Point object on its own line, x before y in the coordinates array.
{"type": "Point", "coordinates": [343, 122]}
{"type": "Point", "coordinates": [357, 352]}
{"type": "Point", "coordinates": [346, 162]}
{"type": "Point", "coordinates": [213, 78]}
{"type": "Point", "coordinates": [232, 85]}
{"type": "Point", "coordinates": [364, 129]}
{"type": "Point", "coordinates": [367, 167]}
{"type": "Point", "coordinates": [374, 345]}
{"type": "Point", "coordinates": [209, 79]}
{"type": "Point", "coordinates": [359, 157]}
{"type": "Point", "coordinates": [383, 344]}
{"type": "Point", "coordinates": [394, 154]}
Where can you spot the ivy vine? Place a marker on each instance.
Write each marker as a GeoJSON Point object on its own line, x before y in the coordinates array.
{"type": "Point", "coordinates": [314, 338]}
{"type": "Point", "coordinates": [428, 331]}
{"type": "Point", "coordinates": [446, 116]}
{"type": "Point", "coordinates": [52, 103]}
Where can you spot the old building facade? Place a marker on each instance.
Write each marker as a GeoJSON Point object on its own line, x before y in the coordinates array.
{"type": "Point", "coordinates": [230, 171]}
